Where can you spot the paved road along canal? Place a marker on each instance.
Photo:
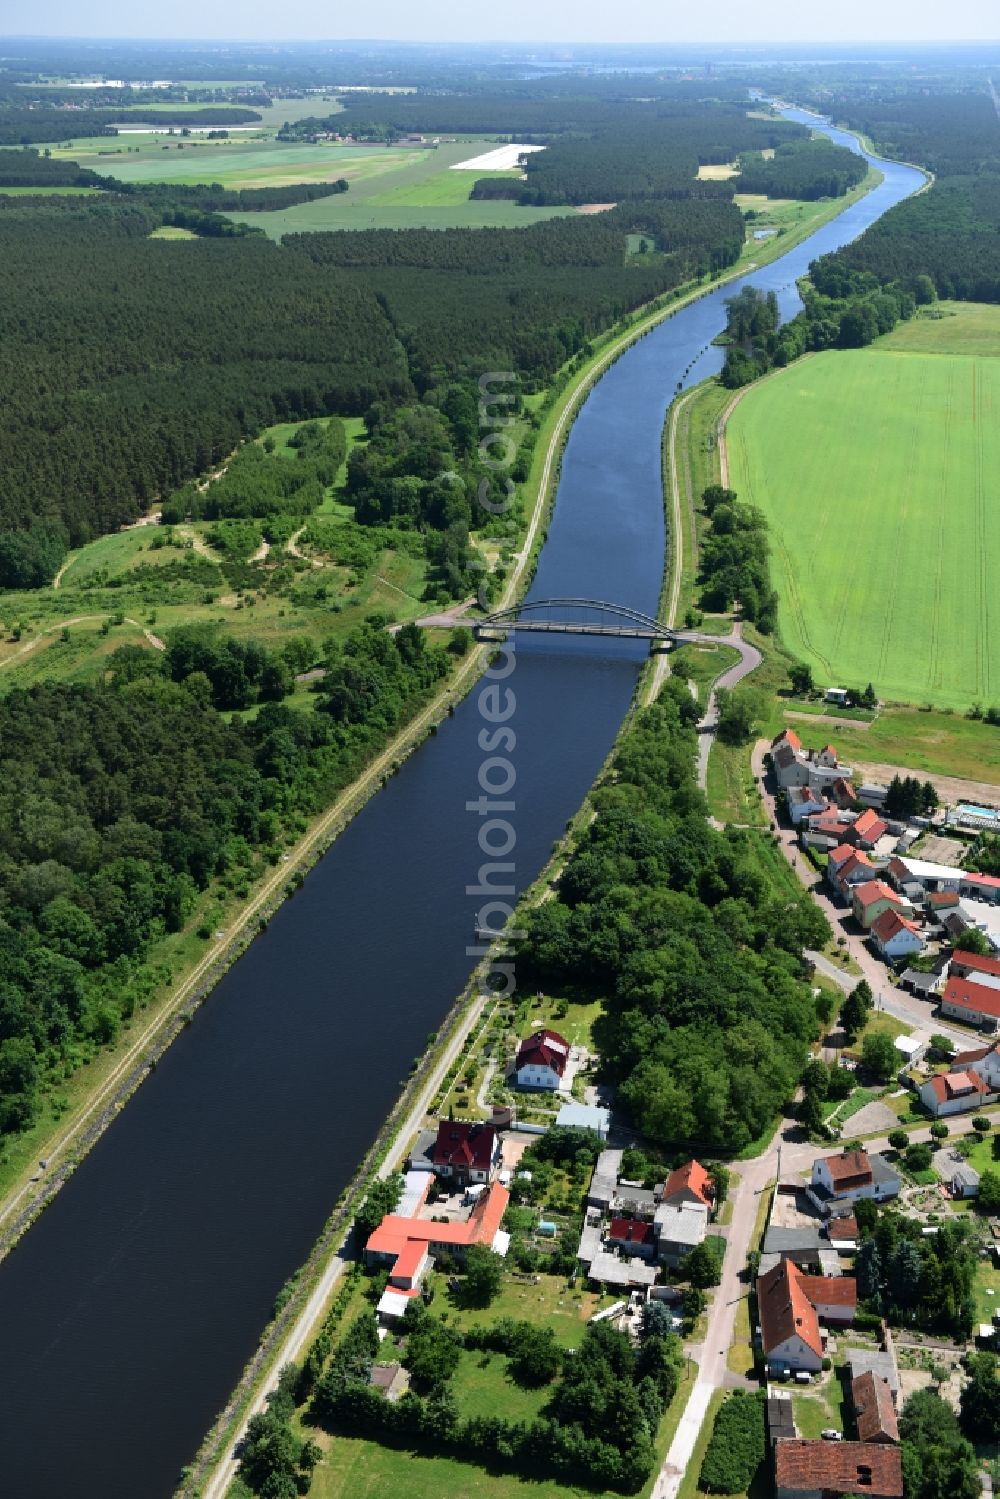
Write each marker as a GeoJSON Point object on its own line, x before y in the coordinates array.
{"type": "Point", "coordinates": [129, 1310]}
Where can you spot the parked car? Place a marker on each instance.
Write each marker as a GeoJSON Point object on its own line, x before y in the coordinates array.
{"type": "Point", "coordinates": [829, 1435]}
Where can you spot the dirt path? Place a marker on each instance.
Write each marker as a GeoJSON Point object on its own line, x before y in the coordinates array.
{"type": "Point", "coordinates": [838, 723]}
{"type": "Point", "coordinates": [198, 543]}
{"type": "Point", "coordinates": [260, 555]}
{"type": "Point", "coordinates": [64, 624]}
{"type": "Point", "coordinates": [293, 549]}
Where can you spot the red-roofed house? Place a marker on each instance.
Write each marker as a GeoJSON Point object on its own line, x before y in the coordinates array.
{"type": "Point", "coordinates": [541, 1060]}
{"type": "Point", "coordinates": [966, 965]}
{"type": "Point", "coordinates": [868, 829]}
{"type": "Point", "coordinates": [826, 1470]}
{"type": "Point", "coordinates": [634, 1237]}
{"type": "Point", "coordinates": [846, 867]}
{"type": "Point", "coordinates": [690, 1183]}
{"type": "Point", "coordinates": [789, 737]}
{"type": "Point", "coordinates": [977, 1004]}
{"type": "Point", "coordinates": [466, 1151]}
{"type": "Point", "coordinates": [954, 1093]}
{"type": "Point", "coordinates": [871, 898]}
{"type": "Point", "coordinates": [854, 1174]}
{"type": "Point", "coordinates": [393, 1241]}
{"type": "Point", "coordinates": [896, 937]}
{"type": "Point", "coordinates": [874, 1409]}
{"type": "Point", "coordinates": [980, 887]}
{"type": "Point", "coordinates": [790, 1305]}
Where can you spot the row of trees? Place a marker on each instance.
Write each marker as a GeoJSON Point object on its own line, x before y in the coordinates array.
{"type": "Point", "coordinates": [734, 559]}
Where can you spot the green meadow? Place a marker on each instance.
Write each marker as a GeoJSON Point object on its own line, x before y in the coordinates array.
{"type": "Point", "coordinates": [874, 468]}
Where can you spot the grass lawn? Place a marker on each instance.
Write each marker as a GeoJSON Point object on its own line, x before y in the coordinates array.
{"type": "Point", "coordinates": [483, 1387]}
{"type": "Point", "coordinates": [815, 447]}
{"type": "Point", "coordinates": [172, 231]}
{"type": "Point", "coordinates": [946, 744]}
{"type": "Point", "coordinates": [823, 1408]}
{"type": "Point", "coordinates": [576, 1025]}
{"type": "Point", "coordinates": [987, 1282]}
{"type": "Point", "coordinates": [549, 1304]}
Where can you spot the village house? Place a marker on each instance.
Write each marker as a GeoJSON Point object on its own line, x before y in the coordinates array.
{"type": "Point", "coordinates": [917, 878]}
{"type": "Point", "coordinates": [847, 867]}
{"type": "Point", "coordinates": [633, 1237]}
{"type": "Point", "coordinates": [466, 1152]}
{"type": "Point", "coordinates": [868, 828]}
{"type": "Point", "coordinates": [985, 1062]}
{"type": "Point", "coordinates": [679, 1229]}
{"type": "Point", "coordinates": [871, 898]}
{"type": "Point", "coordinates": [688, 1184]}
{"type": "Point", "coordinates": [827, 1470]}
{"type": "Point", "coordinates": [954, 1093]}
{"type": "Point", "coordinates": [406, 1244]}
{"type": "Point", "coordinates": [980, 887]}
{"type": "Point", "coordinates": [791, 1304]}
{"type": "Point", "coordinates": [803, 803]}
{"type": "Point", "coordinates": [794, 766]}
{"type": "Point", "coordinates": [973, 965]}
{"type": "Point", "coordinates": [963, 1181]}
{"type": "Point", "coordinates": [896, 937]}
{"type": "Point", "coordinates": [975, 1003]}
{"type": "Point", "coordinates": [850, 1176]}
{"type": "Point", "coordinates": [874, 1409]}
{"type": "Point", "coordinates": [541, 1060]}
{"type": "Point", "coordinates": [843, 793]}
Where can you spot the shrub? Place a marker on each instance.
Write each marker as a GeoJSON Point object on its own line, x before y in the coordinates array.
{"type": "Point", "coordinates": [737, 1445]}
{"type": "Point", "coordinates": [939, 1130]}
{"type": "Point", "coordinates": [898, 1139]}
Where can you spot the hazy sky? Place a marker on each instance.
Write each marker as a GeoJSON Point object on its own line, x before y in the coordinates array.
{"type": "Point", "coordinates": [514, 20]}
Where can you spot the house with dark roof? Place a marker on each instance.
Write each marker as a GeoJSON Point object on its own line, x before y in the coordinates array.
{"type": "Point", "coordinates": [874, 1409]}
{"type": "Point", "coordinates": [851, 1175]}
{"type": "Point", "coordinates": [803, 803]}
{"type": "Point", "coordinates": [791, 1305]}
{"type": "Point", "coordinates": [541, 1060]}
{"type": "Point", "coordinates": [826, 1470]}
{"type": "Point", "coordinates": [466, 1151]}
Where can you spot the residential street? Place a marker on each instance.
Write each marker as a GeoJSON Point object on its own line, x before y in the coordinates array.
{"type": "Point", "coordinates": [896, 1002]}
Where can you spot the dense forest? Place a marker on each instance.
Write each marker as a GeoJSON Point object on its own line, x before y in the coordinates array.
{"type": "Point", "coordinates": [23, 127]}
{"type": "Point", "coordinates": [681, 932]}
{"type": "Point", "coordinates": [803, 169]}
{"type": "Point", "coordinates": [120, 802]}
{"type": "Point", "coordinates": [952, 232]}
{"type": "Point", "coordinates": [130, 368]}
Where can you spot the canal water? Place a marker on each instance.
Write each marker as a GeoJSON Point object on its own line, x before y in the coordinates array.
{"type": "Point", "coordinates": [130, 1309]}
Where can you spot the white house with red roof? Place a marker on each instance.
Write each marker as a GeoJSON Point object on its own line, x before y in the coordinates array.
{"type": "Point", "coordinates": [985, 1062]}
{"type": "Point", "coordinates": [541, 1060]}
{"type": "Point", "coordinates": [466, 1152]}
{"type": "Point", "coordinates": [975, 1003]}
{"type": "Point", "coordinates": [851, 1175]}
{"type": "Point", "coordinates": [896, 937]}
{"type": "Point", "coordinates": [955, 1092]}
{"type": "Point", "coordinates": [791, 1304]}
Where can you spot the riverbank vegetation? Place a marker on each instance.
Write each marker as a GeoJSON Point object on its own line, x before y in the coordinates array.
{"type": "Point", "coordinates": [707, 1015]}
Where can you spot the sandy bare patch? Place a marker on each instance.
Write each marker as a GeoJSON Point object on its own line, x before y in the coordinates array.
{"type": "Point", "coordinates": [595, 207]}
{"type": "Point", "coordinates": [949, 788]}
{"type": "Point", "coordinates": [717, 171]}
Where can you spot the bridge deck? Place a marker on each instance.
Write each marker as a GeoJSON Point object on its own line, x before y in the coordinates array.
{"type": "Point", "coordinates": [486, 630]}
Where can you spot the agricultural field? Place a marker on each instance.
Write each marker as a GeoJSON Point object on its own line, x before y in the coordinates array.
{"type": "Point", "coordinates": [948, 328]}
{"type": "Point", "coordinates": [872, 468]}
